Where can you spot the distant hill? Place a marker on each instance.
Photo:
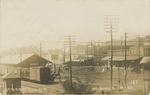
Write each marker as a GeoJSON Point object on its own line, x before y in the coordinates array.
{"type": "Point", "coordinates": [20, 50]}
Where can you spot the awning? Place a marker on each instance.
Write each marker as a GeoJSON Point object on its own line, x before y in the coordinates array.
{"type": "Point", "coordinates": [106, 58]}
{"type": "Point", "coordinates": [145, 60]}
{"type": "Point", "coordinates": [120, 58]}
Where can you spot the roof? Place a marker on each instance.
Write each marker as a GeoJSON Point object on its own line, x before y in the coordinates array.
{"type": "Point", "coordinates": [11, 75]}
{"type": "Point", "coordinates": [106, 58]}
{"type": "Point", "coordinates": [147, 43]}
{"type": "Point", "coordinates": [34, 60]}
{"type": "Point", "coordinates": [145, 60]}
{"type": "Point", "coordinates": [14, 59]}
{"type": "Point", "coordinates": [17, 60]}
{"type": "Point", "coordinates": [120, 58]}
{"type": "Point", "coordinates": [74, 61]}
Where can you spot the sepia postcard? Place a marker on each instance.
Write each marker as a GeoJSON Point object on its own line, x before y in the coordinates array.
{"type": "Point", "coordinates": [99, 47]}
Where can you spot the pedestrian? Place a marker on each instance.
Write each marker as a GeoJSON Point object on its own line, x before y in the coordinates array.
{"type": "Point", "coordinates": [103, 70]}
{"type": "Point", "coordinates": [59, 76]}
{"type": "Point", "coordinates": [103, 92]}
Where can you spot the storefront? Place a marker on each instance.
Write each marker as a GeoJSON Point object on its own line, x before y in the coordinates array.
{"type": "Point", "coordinates": [146, 75]}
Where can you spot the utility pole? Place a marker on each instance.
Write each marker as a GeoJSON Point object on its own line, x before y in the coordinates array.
{"type": "Point", "coordinates": [40, 53]}
{"type": "Point", "coordinates": [0, 18]}
{"type": "Point", "coordinates": [69, 42]}
{"type": "Point", "coordinates": [92, 52]}
{"type": "Point", "coordinates": [149, 15]}
{"type": "Point", "coordinates": [139, 44]}
{"type": "Point", "coordinates": [121, 42]}
{"type": "Point", "coordinates": [64, 54]}
{"type": "Point", "coordinates": [20, 54]}
{"type": "Point", "coordinates": [87, 55]}
{"type": "Point", "coordinates": [111, 24]}
{"type": "Point", "coordinates": [111, 57]}
{"type": "Point", "coordinates": [119, 66]}
{"type": "Point", "coordinates": [125, 63]}
{"type": "Point", "coordinates": [91, 49]}
{"type": "Point", "coordinates": [40, 49]}
{"type": "Point", "coordinates": [94, 46]}
{"type": "Point", "coordinates": [94, 57]}
{"type": "Point", "coordinates": [99, 48]}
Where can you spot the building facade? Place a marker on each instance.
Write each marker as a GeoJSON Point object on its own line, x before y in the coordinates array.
{"type": "Point", "coordinates": [145, 62]}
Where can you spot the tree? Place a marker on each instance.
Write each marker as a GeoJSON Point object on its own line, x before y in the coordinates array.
{"type": "Point", "coordinates": [78, 87]}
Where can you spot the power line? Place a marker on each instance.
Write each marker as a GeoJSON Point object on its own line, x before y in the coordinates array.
{"type": "Point", "coordinates": [40, 49]}
{"type": "Point", "coordinates": [119, 80]}
{"type": "Point", "coordinates": [68, 41]}
{"type": "Point", "coordinates": [111, 21]}
{"type": "Point", "coordinates": [118, 41]}
{"type": "Point", "coordinates": [139, 45]}
{"type": "Point", "coordinates": [125, 61]}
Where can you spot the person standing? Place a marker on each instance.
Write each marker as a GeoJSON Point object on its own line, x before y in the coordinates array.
{"type": "Point", "coordinates": [59, 76]}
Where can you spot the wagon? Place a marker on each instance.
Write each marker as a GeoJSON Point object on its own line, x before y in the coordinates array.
{"type": "Point", "coordinates": [40, 74]}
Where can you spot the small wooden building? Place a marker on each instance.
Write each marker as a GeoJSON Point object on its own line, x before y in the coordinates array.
{"type": "Point", "coordinates": [11, 83]}
{"type": "Point", "coordinates": [146, 74]}
{"type": "Point", "coordinates": [146, 64]}
{"type": "Point", "coordinates": [12, 63]}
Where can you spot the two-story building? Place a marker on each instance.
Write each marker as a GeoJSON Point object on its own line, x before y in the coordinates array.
{"type": "Point", "coordinates": [134, 52]}
{"type": "Point", "coordinates": [145, 62]}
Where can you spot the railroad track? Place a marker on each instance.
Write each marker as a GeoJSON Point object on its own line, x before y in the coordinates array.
{"type": "Point", "coordinates": [50, 88]}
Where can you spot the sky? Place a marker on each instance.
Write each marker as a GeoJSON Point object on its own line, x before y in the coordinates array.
{"type": "Point", "coordinates": [25, 22]}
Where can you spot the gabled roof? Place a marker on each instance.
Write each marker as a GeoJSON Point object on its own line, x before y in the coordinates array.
{"type": "Point", "coordinates": [33, 60]}
{"type": "Point", "coordinates": [145, 60]}
{"type": "Point", "coordinates": [121, 58]}
{"type": "Point", "coordinates": [11, 75]}
{"type": "Point", "coordinates": [14, 60]}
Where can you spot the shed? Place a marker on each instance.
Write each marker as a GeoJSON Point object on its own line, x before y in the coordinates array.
{"type": "Point", "coordinates": [8, 63]}
{"type": "Point", "coordinates": [11, 83]}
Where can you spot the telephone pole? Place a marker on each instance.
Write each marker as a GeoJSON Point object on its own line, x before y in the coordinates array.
{"type": "Point", "coordinates": [20, 54]}
{"type": "Point", "coordinates": [91, 49]}
{"type": "Point", "coordinates": [111, 24]}
{"type": "Point", "coordinates": [40, 49]}
{"type": "Point", "coordinates": [64, 54]}
{"type": "Point", "coordinates": [149, 15]}
{"type": "Point", "coordinates": [139, 45]}
{"type": "Point", "coordinates": [94, 55]}
{"type": "Point", "coordinates": [125, 63]}
{"type": "Point", "coordinates": [40, 53]}
{"type": "Point", "coordinates": [87, 53]}
{"type": "Point", "coordinates": [69, 42]}
{"type": "Point", "coordinates": [92, 52]}
{"type": "Point", "coordinates": [119, 80]}
{"type": "Point", "coordinates": [99, 50]}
